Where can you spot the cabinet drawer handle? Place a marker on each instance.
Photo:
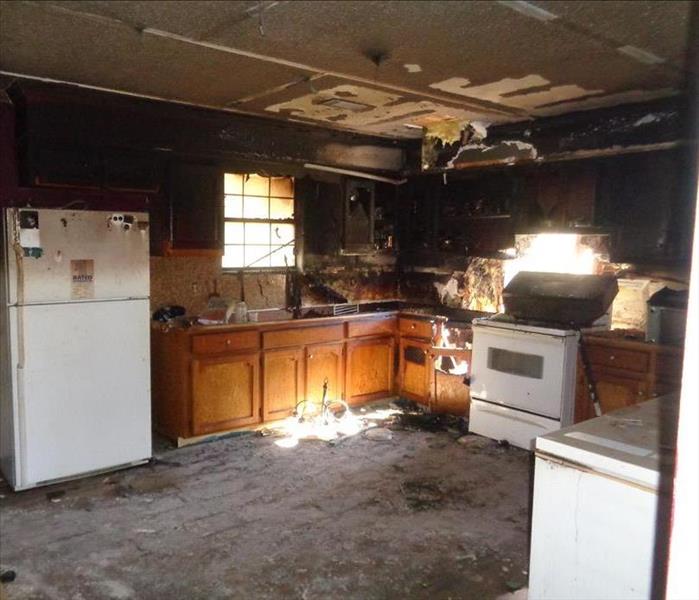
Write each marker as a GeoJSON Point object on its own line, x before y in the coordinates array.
{"type": "Point", "coordinates": [310, 356]}
{"type": "Point", "coordinates": [228, 342]}
{"type": "Point", "coordinates": [612, 357]}
{"type": "Point", "coordinates": [412, 326]}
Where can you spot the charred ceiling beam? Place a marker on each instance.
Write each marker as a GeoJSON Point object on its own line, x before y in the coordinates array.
{"type": "Point", "coordinates": [64, 117]}
{"type": "Point", "coordinates": [603, 132]}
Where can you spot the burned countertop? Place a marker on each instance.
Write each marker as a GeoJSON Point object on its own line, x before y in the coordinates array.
{"type": "Point", "coordinates": [314, 315]}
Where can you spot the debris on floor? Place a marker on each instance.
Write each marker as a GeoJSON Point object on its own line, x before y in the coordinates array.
{"type": "Point", "coordinates": [8, 576]}
{"type": "Point", "coordinates": [422, 494]}
{"type": "Point", "coordinates": [55, 495]}
{"type": "Point", "coordinates": [378, 434]}
{"type": "Point", "coordinates": [420, 517]}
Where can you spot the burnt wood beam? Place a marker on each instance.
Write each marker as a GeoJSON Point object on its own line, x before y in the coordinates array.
{"type": "Point", "coordinates": [67, 117]}
{"type": "Point", "coordinates": [626, 129]}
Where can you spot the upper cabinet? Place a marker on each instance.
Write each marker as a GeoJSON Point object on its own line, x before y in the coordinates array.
{"type": "Point", "coordinates": [66, 166]}
{"type": "Point", "coordinates": [195, 208]}
{"type": "Point", "coordinates": [359, 204]}
{"type": "Point", "coordinates": [347, 216]}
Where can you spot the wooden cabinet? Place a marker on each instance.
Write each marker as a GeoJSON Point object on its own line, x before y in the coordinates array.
{"type": "Point", "coordinates": [369, 373]}
{"type": "Point", "coordinates": [625, 372]}
{"type": "Point", "coordinates": [211, 380]}
{"type": "Point", "coordinates": [415, 370]}
{"type": "Point", "coordinates": [416, 328]}
{"type": "Point", "coordinates": [324, 360]}
{"type": "Point", "coordinates": [283, 382]}
{"type": "Point", "coordinates": [225, 392]}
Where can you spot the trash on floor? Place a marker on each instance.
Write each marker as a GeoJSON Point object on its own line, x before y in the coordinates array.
{"type": "Point", "coordinates": [378, 434]}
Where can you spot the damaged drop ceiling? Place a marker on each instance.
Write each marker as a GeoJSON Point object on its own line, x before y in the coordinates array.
{"type": "Point", "coordinates": [381, 68]}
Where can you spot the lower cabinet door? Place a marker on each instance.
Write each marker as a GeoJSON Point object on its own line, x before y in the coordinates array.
{"type": "Point", "coordinates": [225, 392]}
{"type": "Point", "coordinates": [282, 382]}
{"type": "Point", "coordinates": [415, 368]}
{"type": "Point", "coordinates": [324, 361]}
{"type": "Point", "coordinates": [369, 369]}
{"type": "Point", "coordinates": [616, 391]}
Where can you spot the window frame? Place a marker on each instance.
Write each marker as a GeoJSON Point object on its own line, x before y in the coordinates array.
{"type": "Point", "coordinates": [269, 221]}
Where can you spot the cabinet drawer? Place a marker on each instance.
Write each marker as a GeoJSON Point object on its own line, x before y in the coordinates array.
{"type": "Point", "coordinates": [628, 360]}
{"type": "Point", "coordinates": [415, 328]}
{"type": "Point", "coordinates": [300, 336]}
{"type": "Point", "coordinates": [215, 343]}
{"type": "Point", "coordinates": [371, 327]}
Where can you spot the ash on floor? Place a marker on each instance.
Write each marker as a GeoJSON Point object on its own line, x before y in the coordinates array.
{"type": "Point", "coordinates": [419, 514]}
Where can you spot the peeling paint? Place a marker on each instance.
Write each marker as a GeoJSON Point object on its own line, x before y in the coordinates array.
{"type": "Point", "coordinates": [526, 92]}
{"type": "Point", "coordinates": [480, 129]}
{"type": "Point", "coordinates": [494, 91]}
{"type": "Point", "coordinates": [440, 142]}
{"type": "Point", "coordinates": [508, 150]}
{"type": "Point", "coordinates": [386, 113]}
{"type": "Point", "coordinates": [412, 68]}
{"type": "Point", "coordinates": [540, 98]}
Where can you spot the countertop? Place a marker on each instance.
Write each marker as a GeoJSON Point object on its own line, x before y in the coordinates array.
{"type": "Point", "coordinates": [374, 311]}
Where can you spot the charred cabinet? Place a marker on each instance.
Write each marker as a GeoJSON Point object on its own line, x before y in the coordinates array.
{"type": "Point", "coordinates": [359, 207]}
{"type": "Point", "coordinates": [196, 209]}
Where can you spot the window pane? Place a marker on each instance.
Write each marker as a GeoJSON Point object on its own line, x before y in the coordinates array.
{"type": "Point", "coordinates": [233, 233]}
{"type": "Point", "coordinates": [257, 233]}
{"type": "Point", "coordinates": [256, 185]}
{"type": "Point", "coordinates": [256, 208]}
{"type": "Point", "coordinates": [233, 207]}
{"type": "Point", "coordinates": [282, 187]}
{"type": "Point", "coordinates": [254, 254]}
{"type": "Point", "coordinates": [233, 257]}
{"type": "Point", "coordinates": [277, 259]}
{"type": "Point", "coordinates": [282, 233]}
{"type": "Point", "coordinates": [281, 208]}
{"type": "Point", "coordinates": [233, 183]}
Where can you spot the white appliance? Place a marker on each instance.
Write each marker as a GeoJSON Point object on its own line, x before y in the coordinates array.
{"type": "Point", "coordinates": [75, 350]}
{"type": "Point", "coordinates": [596, 493]}
{"type": "Point", "coordinates": [522, 380]}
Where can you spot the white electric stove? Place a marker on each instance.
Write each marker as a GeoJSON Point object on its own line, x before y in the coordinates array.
{"type": "Point", "coordinates": [522, 379]}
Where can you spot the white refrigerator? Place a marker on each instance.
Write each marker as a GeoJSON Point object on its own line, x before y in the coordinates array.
{"type": "Point", "coordinates": [74, 344]}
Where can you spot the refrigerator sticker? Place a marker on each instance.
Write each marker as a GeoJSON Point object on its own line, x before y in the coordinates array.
{"type": "Point", "coordinates": [29, 229]}
{"type": "Point", "coordinates": [83, 279]}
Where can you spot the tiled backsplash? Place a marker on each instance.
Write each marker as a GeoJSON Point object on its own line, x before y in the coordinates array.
{"type": "Point", "coordinates": [188, 281]}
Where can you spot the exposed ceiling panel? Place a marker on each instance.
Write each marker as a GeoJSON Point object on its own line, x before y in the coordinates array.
{"type": "Point", "coordinates": [372, 67]}
{"type": "Point", "coordinates": [109, 54]}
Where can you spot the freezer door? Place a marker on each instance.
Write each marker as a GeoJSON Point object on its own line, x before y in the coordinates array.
{"type": "Point", "coordinates": [84, 388]}
{"type": "Point", "coordinates": [85, 255]}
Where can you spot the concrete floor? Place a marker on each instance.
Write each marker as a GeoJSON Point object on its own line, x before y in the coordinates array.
{"type": "Point", "coordinates": [419, 516]}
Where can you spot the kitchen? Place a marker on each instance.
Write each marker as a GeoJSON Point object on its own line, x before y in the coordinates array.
{"type": "Point", "coordinates": [347, 278]}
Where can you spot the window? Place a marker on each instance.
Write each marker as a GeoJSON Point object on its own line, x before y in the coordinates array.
{"type": "Point", "coordinates": [259, 227]}
{"type": "Point", "coordinates": [516, 363]}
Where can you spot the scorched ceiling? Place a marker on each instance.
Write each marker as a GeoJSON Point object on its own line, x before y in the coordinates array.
{"type": "Point", "coordinates": [384, 68]}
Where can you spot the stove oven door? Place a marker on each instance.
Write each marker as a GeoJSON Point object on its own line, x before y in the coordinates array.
{"type": "Point", "coordinates": [528, 371]}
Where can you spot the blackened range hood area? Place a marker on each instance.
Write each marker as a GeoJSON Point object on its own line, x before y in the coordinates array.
{"type": "Point", "coordinates": [560, 298]}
